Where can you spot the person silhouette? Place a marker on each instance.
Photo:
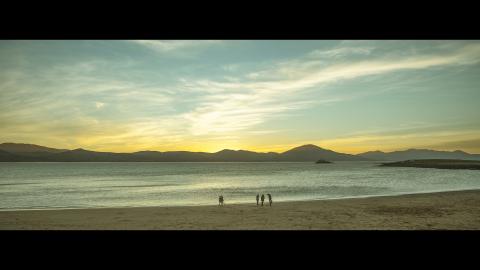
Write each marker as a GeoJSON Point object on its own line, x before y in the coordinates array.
{"type": "Point", "coordinates": [220, 200]}
{"type": "Point", "coordinates": [258, 196]}
{"type": "Point", "coordinates": [269, 198]}
{"type": "Point", "coordinates": [263, 198]}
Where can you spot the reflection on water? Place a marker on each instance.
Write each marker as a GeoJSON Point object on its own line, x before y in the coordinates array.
{"type": "Point", "coordinates": [80, 185]}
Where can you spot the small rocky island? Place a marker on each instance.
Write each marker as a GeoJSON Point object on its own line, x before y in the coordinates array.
{"type": "Point", "coordinates": [321, 161]}
{"type": "Point", "coordinates": [437, 163]}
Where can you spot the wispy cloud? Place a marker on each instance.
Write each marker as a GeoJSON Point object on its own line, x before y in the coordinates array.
{"type": "Point", "coordinates": [416, 135]}
{"type": "Point", "coordinates": [233, 106]}
{"type": "Point", "coordinates": [99, 105]}
{"type": "Point", "coordinates": [165, 46]}
{"type": "Point", "coordinates": [471, 145]}
{"type": "Point", "coordinates": [55, 105]}
{"type": "Point", "coordinates": [341, 52]}
{"type": "Point", "coordinates": [103, 104]}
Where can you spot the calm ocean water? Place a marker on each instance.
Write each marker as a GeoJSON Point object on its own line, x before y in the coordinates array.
{"type": "Point", "coordinates": [87, 185]}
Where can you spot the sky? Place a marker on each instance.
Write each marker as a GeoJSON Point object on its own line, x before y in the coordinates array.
{"type": "Point", "coordinates": [349, 96]}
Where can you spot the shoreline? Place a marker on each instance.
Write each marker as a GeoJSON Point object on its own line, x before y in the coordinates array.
{"type": "Point", "coordinates": [233, 204]}
{"type": "Point", "coordinates": [440, 210]}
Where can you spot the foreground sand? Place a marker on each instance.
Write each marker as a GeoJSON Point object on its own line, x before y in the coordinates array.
{"type": "Point", "coordinates": [447, 210]}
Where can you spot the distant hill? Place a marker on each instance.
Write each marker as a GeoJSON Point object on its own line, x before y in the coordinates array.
{"type": "Point", "coordinates": [6, 156]}
{"type": "Point", "coordinates": [418, 154]}
{"type": "Point", "coordinates": [310, 152]}
{"type": "Point", "coordinates": [305, 153]}
{"type": "Point", "coordinates": [172, 156]}
{"type": "Point", "coordinates": [245, 156]}
{"type": "Point", "coordinates": [28, 148]}
{"type": "Point", "coordinates": [88, 156]}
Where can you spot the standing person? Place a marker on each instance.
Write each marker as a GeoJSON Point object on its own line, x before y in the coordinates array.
{"type": "Point", "coordinates": [269, 198]}
{"type": "Point", "coordinates": [220, 200]}
{"type": "Point", "coordinates": [258, 196]}
{"type": "Point", "coordinates": [263, 198]}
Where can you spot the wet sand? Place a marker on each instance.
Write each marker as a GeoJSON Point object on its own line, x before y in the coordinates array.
{"type": "Point", "coordinates": [445, 210]}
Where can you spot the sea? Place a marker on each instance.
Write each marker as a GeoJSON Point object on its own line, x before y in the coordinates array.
{"type": "Point", "coordinates": [52, 185]}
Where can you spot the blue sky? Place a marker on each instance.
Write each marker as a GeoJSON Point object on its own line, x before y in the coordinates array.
{"type": "Point", "coordinates": [349, 96]}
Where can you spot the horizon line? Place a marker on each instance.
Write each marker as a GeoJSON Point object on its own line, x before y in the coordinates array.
{"type": "Point", "coordinates": [308, 144]}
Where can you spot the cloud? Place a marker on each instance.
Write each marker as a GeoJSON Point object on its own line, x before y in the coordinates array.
{"type": "Point", "coordinates": [262, 132]}
{"type": "Point", "coordinates": [230, 106]}
{"type": "Point", "coordinates": [341, 52]}
{"type": "Point", "coordinates": [439, 137]}
{"type": "Point", "coordinates": [472, 145]}
{"type": "Point", "coordinates": [230, 67]}
{"type": "Point", "coordinates": [54, 106]}
{"type": "Point", "coordinates": [99, 105]}
{"type": "Point", "coordinates": [165, 46]}
{"type": "Point", "coordinates": [58, 101]}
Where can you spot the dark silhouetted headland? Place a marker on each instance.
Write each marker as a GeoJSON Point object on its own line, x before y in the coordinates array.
{"type": "Point", "coordinates": [418, 154]}
{"type": "Point", "coordinates": [437, 163]}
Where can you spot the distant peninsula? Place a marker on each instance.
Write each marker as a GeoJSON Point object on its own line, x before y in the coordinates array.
{"type": "Point", "coordinates": [322, 161]}
{"type": "Point", "coordinates": [437, 163]}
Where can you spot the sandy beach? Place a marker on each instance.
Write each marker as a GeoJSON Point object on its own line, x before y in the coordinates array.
{"type": "Point", "coordinates": [445, 210]}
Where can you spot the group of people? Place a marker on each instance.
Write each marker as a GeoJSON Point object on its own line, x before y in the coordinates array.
{"type": "Point", "coordinates": [220, 199]}
{"type": "Point", "coordinates": [263, 198]}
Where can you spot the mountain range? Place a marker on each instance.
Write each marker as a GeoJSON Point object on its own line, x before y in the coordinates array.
{"type": "Point", "coordinates": [15, 152]}
{"type": "Point", "coordinates": [30, 152]}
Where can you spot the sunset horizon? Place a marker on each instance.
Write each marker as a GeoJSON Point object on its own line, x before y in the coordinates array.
{"type": "Point", "coordinates": [208, 95]}
{"type": "Point", "coordinates": [279, 150]}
